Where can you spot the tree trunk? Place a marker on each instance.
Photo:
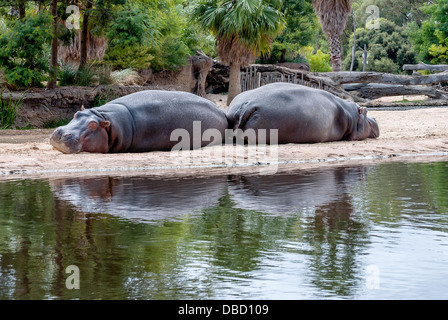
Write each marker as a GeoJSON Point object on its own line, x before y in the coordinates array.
{"type": "Point", "coordinates": [364, 58]}
{"type": "Point", "coordinates": [54, 47]}
{"type": "Point", "coordinates": [84, 34]}
{"type": "Point", "coordinates": [352, 65]}
{"type": "Point", "coordinates": [22, 9]}
{"type": "Point", "coordinates": [234, 82]}
{"type": "Point", "coordinates": [335, 52]}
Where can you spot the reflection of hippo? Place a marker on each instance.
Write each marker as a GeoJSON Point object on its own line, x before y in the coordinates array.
{"type": "Point", "coordinates": [139, 122]}
{"type": "Point", "coordinates": [141, 198]}
{"type": "Point", "coordinates": [294, 193]}
{"type": "Point", "coordinates": [301, 114]}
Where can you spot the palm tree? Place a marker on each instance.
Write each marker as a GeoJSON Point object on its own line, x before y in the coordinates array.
{"type": "Point", "coordinates": [244, 29]}
{"type": "Point", "coordinates": [333, 15]}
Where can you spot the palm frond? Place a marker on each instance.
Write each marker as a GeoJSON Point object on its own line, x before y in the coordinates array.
{"type": "Point", "coordinates": [333, 14]}
{"type": "Point", "coordinates": [244, 29]}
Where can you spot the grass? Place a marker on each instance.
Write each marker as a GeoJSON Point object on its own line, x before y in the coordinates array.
{"type": "Point", "coordinates": [8, 110]}
{"type": "Point", "coordinates": [96, 75]}
{"type": "Point", "coordinates": [67, 74]}
{"type": "Point", "coordinates": [406, 100]}
{"type": "Point", "coordinates": [126, 77]}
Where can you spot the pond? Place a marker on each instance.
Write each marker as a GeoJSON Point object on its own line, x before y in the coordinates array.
{"type": "Point", "coordinates": [375, 231]}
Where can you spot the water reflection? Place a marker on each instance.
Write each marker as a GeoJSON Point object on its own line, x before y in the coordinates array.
{"type": "Point", "coordinates": [143, 199]}
{"type": "Point", "coordinates": [299, 235]}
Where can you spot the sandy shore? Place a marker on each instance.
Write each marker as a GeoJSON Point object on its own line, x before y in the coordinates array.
{"type": "Point", "coordinates": [412, 135]}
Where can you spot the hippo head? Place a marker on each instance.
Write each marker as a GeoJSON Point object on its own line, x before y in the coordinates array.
{"type": "Point", "coordinates": [367, 127]}
{"type": "Point", "coordinates": [86, 132]}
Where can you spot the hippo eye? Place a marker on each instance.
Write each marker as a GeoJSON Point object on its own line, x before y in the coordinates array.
{"type": "Point", "coordinates": [93, 125]}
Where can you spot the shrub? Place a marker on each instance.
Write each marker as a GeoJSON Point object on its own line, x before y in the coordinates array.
{"type": "Point", "coordinates": [84, 76]}
{"type": "Point", "coordinates": [126, 77]}
{"type": "Point", "coordinates": [8, 111]}
{"type": "Point", "coordinates": [319, 62]}
{"type": "Point", "coordinates": [67, 74]}
{"type": "Point", "coordinates": [130, 36]}
{"type": "Point", "coordinates": [23, 51]}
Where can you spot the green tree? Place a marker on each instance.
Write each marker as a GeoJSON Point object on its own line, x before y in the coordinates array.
{"type": "Point", "coordinates": [388, 47]}
{"type": "Point", "coordinates": [243, 29]}
{"type": "Point", "coordinates": [130, 36]}
{"type": "Point", "coordinates": [333, 15]}
{"type": "Point", "coordinates": [430, 38]}
{"type": "Point", "coordinates": [172, 49]}
{"type": "Point", "coordinates": [24, 50]}
{"type": "Point", "coordinates": [400, 12]}
{"type": "Point", "coordinates": [302, 27]}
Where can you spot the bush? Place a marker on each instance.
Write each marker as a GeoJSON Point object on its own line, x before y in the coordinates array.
{"type": "Point", "coordinates": [130, 35]}
{"type": "Point", "coordinates": [8, 111]}
{"type": "Point", "coordinates": [67, 74]}
{"type": "Point", "coordinates": [126, 77]}
{"type": "Point", "coordinates": [24, 51]}
{"type": "Point", "coordinates": [122, 57]}
{"type": "Point", "coordinates": [319, 62]}
{"type": "Point", "coordinates": [385, 65]}
{"type": "Point", "coordinates": [87, 76]}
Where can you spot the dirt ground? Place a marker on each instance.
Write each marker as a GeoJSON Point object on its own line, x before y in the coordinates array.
{"type": "Point", "coordinates": [411, 135]}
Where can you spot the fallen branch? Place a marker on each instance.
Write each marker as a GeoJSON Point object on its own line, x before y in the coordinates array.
{"type": "Point", "coordinates": [424, 66]}
{"type": "Point", "coordinates": [339, 78]}
{"type": "Point", "coordinates": [375, 91]}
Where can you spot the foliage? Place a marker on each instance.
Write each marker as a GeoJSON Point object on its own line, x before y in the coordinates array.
{"type": "Point", "coordinates": [319, 62]}
{"type": "Point", "coordinates": [89, 75]}
{"type": "Point", "coordinates": [388, 48]}
{"type": "Point", "coordinates": [243, 29]}
{"type": "Point", "coordinates": [400, 12]}
{"type": "Point", "coordinates": [430, 39]}
{"type": "Point", "coordinates": [67, 74]}
{"type": "Point", "coordinates": [24, 50]}
{"type": "Point", "coordinates": [171, 52]}
{"type": "Point", "coordinates": [85, 76]}
{"type": "Point", "coordinates": [126, 77]}
{"type": "Point", "coordinates": [198, 40]}
{"type": "Point", "coordinates": [8, 110]}
{"type": "Point", "coordinates": [130, 34]}
{"type": "Point", "coordinates": [302, 28]}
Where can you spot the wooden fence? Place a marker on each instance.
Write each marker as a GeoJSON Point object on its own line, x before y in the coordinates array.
{"type": "Point", "coordinates": [255, 76]}
{"type": "Point", "coordinates": [356, 86]}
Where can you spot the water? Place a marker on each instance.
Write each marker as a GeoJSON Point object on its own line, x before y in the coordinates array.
{"type": "Point", "coordinates": [365, 232]}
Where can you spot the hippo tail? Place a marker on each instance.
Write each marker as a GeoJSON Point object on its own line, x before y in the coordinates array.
{"type": "Point", "coordinates": [240, 117]}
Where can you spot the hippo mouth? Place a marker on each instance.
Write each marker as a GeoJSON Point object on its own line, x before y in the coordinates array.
{"type": "Point", "coordinates": [65, 143]}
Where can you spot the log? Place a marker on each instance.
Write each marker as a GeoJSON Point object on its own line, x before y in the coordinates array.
{"type": "Point", "coordinates": [424, 66]}
{"type": "Point", "coordinates": [340, 78]}
{"type": "Point", "coordinates": [375, 91]}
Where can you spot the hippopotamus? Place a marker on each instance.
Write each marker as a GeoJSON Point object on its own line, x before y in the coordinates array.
{"type": "Point", "coordinates": [141, 122]}
{"type": "Point", "coordinates": [301, 115]}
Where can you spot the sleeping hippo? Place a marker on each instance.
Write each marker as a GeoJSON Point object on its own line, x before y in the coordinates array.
{"type": "Point", "coordinates": [140, 122]}
{"type": "Point", "coordinates": [301, 115]}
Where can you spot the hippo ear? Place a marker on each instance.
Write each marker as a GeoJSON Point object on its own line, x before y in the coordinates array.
{"type": "Point", "coordinates": [82, 108]}
{"type": "Point", "coordinates": [105, 124]}
{"type": "Point", "coordinates": [93, 125]}
{"type": "Point", "coordinates": [362, 111]}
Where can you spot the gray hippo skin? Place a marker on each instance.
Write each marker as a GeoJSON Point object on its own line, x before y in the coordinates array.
{"type": "Point", "coordinates": [139, 122]}
{"type": "Point", "coordinates": [301, 115]}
